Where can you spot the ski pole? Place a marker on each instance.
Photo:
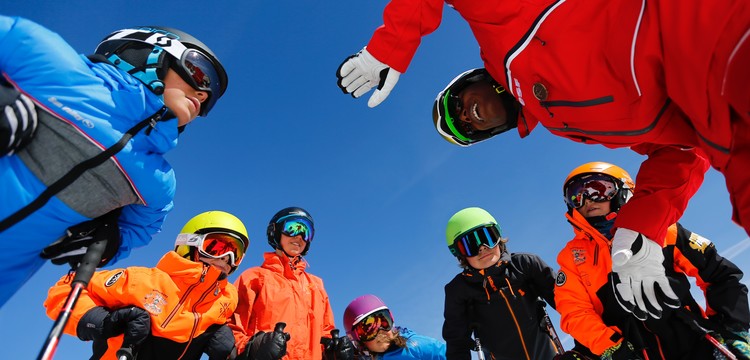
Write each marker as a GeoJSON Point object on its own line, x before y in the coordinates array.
{"type": "Point", "coordinates": [692, 322]}
{"type": "Point", "coordinates": [477, 343]}
{"type": "Point", "coordinates": [84, 271]}
{"type": "Point", "coordinates": [553, 333]}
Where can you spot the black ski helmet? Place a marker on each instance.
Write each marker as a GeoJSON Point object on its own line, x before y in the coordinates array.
{"type": "Point", "coordinates": [273, 232]}
{"type": "Point", "coordinates": [147, 52]}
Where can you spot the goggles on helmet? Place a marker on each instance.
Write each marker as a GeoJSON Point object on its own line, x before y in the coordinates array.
{"type": "Point", "coordinates": [298, 226]}
{"type": "Point", "coordinates": [367, 329]}
{"type": "Point", "coordinates": [215, 245]}
{"type": "Point", "coordinates": [468, 243]}
{"type": "Point", "coordinates": [596, 187]}
{"type": "Point", "coordinates": [199, 72]}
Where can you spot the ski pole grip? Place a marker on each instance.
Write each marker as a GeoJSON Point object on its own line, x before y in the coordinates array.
{"type": "Point", "coordinates": [90, 261]}
{"type": "Point", "coordinates": [334, 334]}
{"type": "Point", "coordinates": [279, 327]}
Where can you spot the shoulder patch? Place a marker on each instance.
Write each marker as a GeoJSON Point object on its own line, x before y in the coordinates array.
{"type": "Point", "coordinates": [113, 279]}
{"type": "Point", "coordinates": [698, 242]}
{"type": "Point", "coordinates": [561, 278]}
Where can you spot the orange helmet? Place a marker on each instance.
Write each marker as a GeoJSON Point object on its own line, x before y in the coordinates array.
{"type": "Point", "coordinates": [617, 186]}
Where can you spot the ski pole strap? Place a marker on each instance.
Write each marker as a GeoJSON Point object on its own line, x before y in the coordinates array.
{"type": "Point", "coordinates": [77, 171]}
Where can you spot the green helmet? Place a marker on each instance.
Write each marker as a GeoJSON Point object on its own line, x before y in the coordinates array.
{"type": "Point", "coordinates": [467, 221]}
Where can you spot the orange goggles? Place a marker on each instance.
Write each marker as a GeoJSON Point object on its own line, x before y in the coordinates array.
{"type": "Point", "coordinates": [215, 245]}
{"type": "Point", "coordinates": [368, 328]}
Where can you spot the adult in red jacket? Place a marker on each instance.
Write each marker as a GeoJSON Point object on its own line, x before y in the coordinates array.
{"type": "Point", "coordinates": [177, 309]}
{"type": "Point", "coordinates": [594, 193]}
{"type": "Point", "coordinates": [282, 291]}
{"type": "Point", "coordinates": [664, 78]}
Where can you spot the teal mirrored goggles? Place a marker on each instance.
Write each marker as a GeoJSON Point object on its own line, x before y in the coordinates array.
{"type": "Point", "coordinates": [298, 226]}
{"type": "Point", "coordinates": [468, 243]}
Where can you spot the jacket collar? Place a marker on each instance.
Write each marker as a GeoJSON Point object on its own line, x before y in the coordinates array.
{"type": "Point", "coordinates": [283, 264]}
{"type": "Point", "coordinates": [188, 271]}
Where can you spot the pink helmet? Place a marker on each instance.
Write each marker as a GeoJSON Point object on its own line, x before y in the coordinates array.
{"type": "Point", "coordinates": [359, 309]}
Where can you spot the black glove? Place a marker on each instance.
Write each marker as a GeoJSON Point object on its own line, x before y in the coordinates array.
{"type": "Point", "coordinates": [266, 346]}
{"type": "Point", "coordinates": [18, 119]}
{"type": "Point", "coordinates": [622, 351]}
{"type": "Point", "coordinates": [71, 248]}
{"type": "Point", "coordinates": [221, 344]}
{"type": "Point", "coordinates": [337, 348]}
{"type": "Point", "coordinates": [99, 324]}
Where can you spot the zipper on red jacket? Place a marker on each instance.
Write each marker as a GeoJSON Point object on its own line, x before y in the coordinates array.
{"type": "Point", "coordinates": [183, 298]}
{"type": "Point", "coordinates": [196, 318]}
{"type": "Point", "coordinates": [642, 131]}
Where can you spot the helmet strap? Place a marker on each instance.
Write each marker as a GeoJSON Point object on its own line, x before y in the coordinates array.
{"type": "Point", "coordinates": [149, 72]}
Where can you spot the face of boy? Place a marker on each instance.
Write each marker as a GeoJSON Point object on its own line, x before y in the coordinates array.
{"type": "Point", "coordinates": [221, 264]}
{"type": "Point", "coordinates": [184, 101]}
{"type": "Point", "coordinates": [292, 245]}
{"type": "Point", "coordinates": [481, 106]}
{"type": "Point", "coordinates": [591, 208]}
{"type": "Point", "coordinates": [381, 342]}
{"type": "Point", "coordinates": [485, 258]}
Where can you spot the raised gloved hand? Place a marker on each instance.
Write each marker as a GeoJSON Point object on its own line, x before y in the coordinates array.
{"type": "Point", "coordinates": [622, 351]}
{"type": "Point", "coordinates": [361, 72]}
{"type": "Point", "coordinates": [99, 324]}
{"type": "Point", "coordinates": [337, 348]}
{"type": "Point", "coordinates": [266, 345]}
{"type": "Point", "coordinates": [18, 119]}
{"type": "Point", "coordinates": [638, 263]}
{"type": "Point", "coordinates": [71, 248]}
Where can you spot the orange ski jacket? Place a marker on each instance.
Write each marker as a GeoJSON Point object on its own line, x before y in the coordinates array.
{"type": "Point", "coordinates": [589, 312]}
{"type": "Point", "coordinates": [281, 291]}
{"type": "Point", "coordinates": [183, 297]}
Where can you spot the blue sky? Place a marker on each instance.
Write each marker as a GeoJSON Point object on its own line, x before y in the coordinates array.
{"type": "Point", "coordinates": [380, 183]}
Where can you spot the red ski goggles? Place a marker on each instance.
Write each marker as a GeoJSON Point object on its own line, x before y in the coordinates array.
{"type": "Point", "coordinates": [199, 72]}
{"type": "Point", "coordinates": [215, 245]}
{"type": "Point", "coordinates": [468, 243]}
{"type": "Point", "coordinates": [298, 226]}
{"type": "Point", "coordinates": [597, 188]}
{"type": "Point", "coordinates": [367, 329]}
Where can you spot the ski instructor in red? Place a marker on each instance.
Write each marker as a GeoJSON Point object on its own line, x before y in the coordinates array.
{"type": "Point", "coordinates": [665, 78]}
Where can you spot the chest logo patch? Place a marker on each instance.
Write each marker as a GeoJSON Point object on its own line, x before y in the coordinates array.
{"type": "Point", "coordinates": [561, 278]}
{"type": "Point", "coordinates": [113, 279]}
{"type": "Point", "coordinates": [579, 256]}
{"type": "Point", "coordinates": [154, 302]}
{"type": "Point", "coordinates": [699, 243]}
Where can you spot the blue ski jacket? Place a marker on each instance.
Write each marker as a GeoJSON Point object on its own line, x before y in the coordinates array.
{"type": "Point", "coordinates": [85, 107]}
{"type": "Point", "coordinates": [417, 347]}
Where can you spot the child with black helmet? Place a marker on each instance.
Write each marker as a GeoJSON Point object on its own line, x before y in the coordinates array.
{"type": "Point", "coordinates": [87, 136]}
{"type": "Point", "coordinates": [588, 303]}
{"type": "Point", "coordinates": [498, 294]}
{"type": "Point", "coordinates": [177, 309]}
{"type": "Point", "coordinates": [369, 322]}
{"type": "Point", "coordinates": [281, 290]}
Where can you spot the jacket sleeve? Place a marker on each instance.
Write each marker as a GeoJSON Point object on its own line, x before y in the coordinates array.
{"type": "Point", "coordinates": [540, 276]}
{"type": "Point", "coordinates": [328, 323]}
{"type": "Point", "coordinates": [239, 322]}
{"type": "Point", "coordinates": [720, 279]}
{"type": "Point", "coordinates": [405, 22]}
{"type": "Point", "coordinates": [578, 317]}
{"type": "Point", "coordinates": [665, 182]}
{"type": "Point", "coordinates": [138, 224]}
{"type": "Point", "coordinates": [456, 331]}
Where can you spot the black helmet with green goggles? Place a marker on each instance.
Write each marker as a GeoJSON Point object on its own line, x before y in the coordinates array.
{"type": "Point", "coordinates": [448, 106]}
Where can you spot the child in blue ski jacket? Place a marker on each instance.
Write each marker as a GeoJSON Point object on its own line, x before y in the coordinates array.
{"type": "Point", "coordinates": [59, 109]}
{"type": "Point", "coordinates": [369, 322]}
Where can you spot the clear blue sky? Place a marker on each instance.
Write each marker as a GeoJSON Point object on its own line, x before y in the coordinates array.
{"type": "Point", "coordinates": [380, 183]}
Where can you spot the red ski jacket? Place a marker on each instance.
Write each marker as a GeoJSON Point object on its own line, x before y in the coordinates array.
{"type": "Point", "coordinates": [593, 72]}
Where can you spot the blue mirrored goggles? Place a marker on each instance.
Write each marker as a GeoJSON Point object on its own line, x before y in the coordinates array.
{"type": "Point", "coordinates": [596, 187]}
{"type": "Point", "coordinates": [199, 72]}
{"type": "Point", "coordinates": [298, 226]}
{"type": "Point", "coordinates": [468, 243]}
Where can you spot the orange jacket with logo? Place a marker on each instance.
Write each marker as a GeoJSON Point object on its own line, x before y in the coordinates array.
{"type": "Point", "coordinates": [589, 312]}
{"type": "Point", "coordinates": [279, 292]}
{"type": "Point", "coordinates": [183, 297]}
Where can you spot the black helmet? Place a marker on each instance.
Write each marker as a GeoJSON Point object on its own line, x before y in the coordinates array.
{"type": "Point", "coordinates": [147, 52]}
{"type": "Point", "coordinates": [458, 132]}
{"type": "Point", "coordinates": [294, 219]}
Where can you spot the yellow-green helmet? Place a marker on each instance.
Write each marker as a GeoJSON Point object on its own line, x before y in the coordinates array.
{"type": "Point", "coordinates": [467, 221]}
{"type": "Point", "coordinates": [212, 222]}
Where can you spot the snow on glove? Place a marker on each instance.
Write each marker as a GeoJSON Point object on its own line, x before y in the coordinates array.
{"type": "Point", "coordinates": [71, 247]}
{"type": "Point", "coordinates": [18, 119]}
{"type": "Point", "coordinates": [622, 351]}
{"type": "Point", "coordinates": [361, 72]}
{"type": "Point", "coordinates": [638, 263]}
{"type": "Point", "coordinates": [99, 324]}
{"type": "Point", "coordinates": [337, 348]}
{"type": "Point", "coordinates": [266, 345]}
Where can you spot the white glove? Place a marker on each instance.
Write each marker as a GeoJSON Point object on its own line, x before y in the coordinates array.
{"type": "Point", "coordinates": [361, 72]}
{"type": "Point", "coordinates": [638, 262]}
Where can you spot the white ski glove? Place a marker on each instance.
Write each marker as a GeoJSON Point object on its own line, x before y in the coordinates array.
{"type": "Point", "coordinates": [638, 262]}
{"type": "Point", "coordinates": [361, 72]}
